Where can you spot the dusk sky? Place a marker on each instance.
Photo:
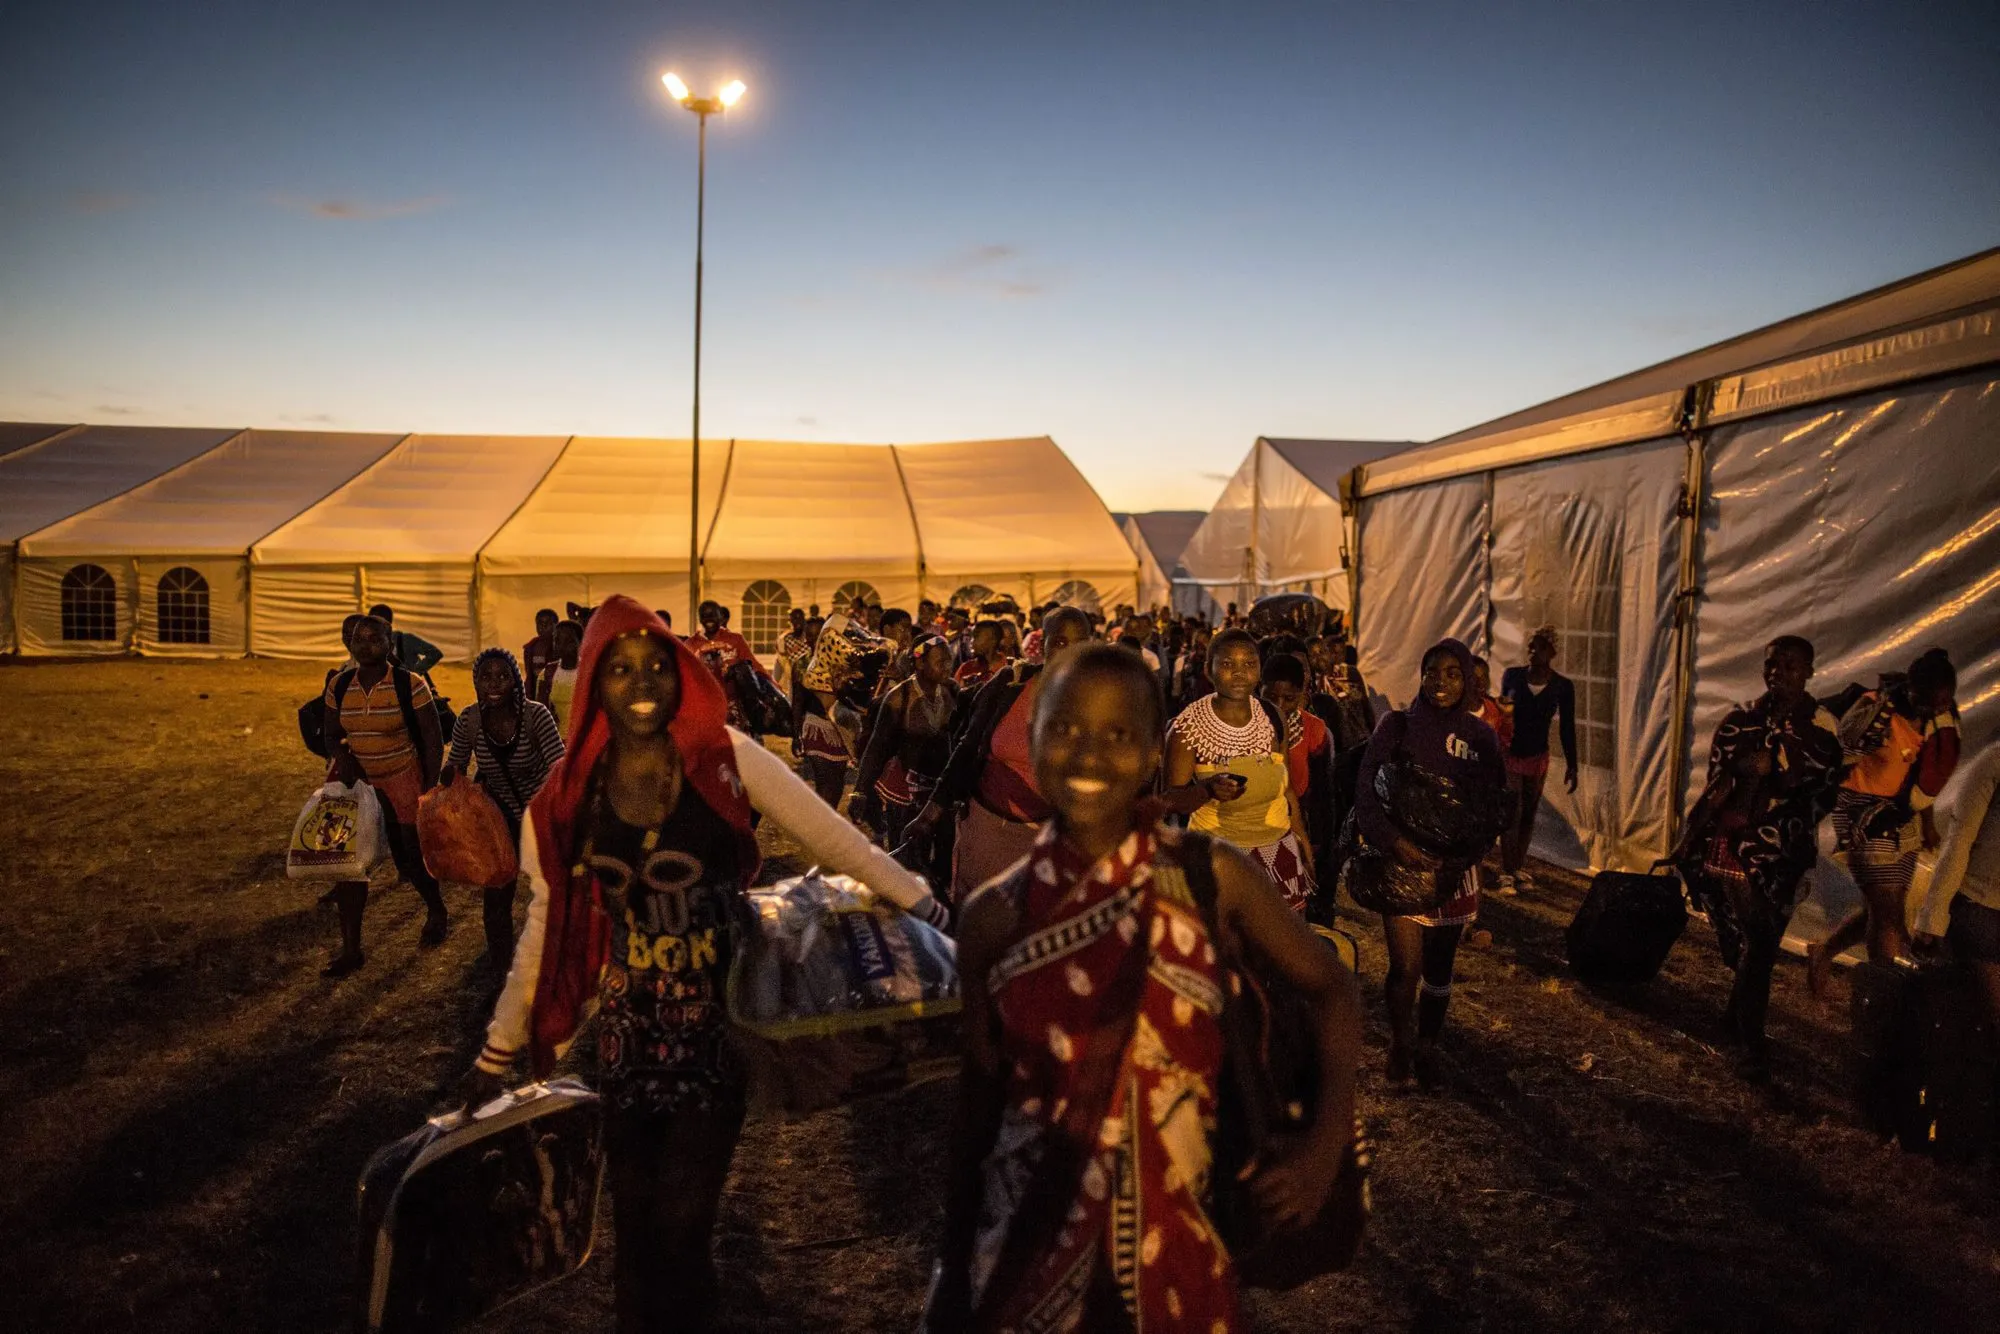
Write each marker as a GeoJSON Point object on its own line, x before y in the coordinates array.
{"type": "Point", "coordinates": [1153, 231]}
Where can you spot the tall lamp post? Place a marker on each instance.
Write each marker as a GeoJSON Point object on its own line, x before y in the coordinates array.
{"type": "Point", "coordinates": [703, 108]}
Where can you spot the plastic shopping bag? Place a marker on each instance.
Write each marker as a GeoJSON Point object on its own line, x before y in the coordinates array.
{"type": "Point", "coordinates": [827, 955]}
{"type": "Point", "coordinates": [837, 995]}
{"type": "Point", "coordinates": [338, 835]}
{"type": "Point", "coordinates": [464, 836]}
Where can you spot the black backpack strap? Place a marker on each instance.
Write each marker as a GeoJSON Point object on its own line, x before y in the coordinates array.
{"type": "Point", "coordinates": [340, 685]}
{"type": "Point", "coordinates": [405, 692]}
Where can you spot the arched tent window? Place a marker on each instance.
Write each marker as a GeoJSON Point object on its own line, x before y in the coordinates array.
{"type": "Point", "coordinates": [971, 596]}
{"type": "Point", "coordinates": [853, 591]}
{"type": "Point", "coordinates": [183, 606]}
{"type": "Point", "coordinates": [89, 604]}
{"type": "Point", "coordinates": [1080, 594]}
{"type": "Point", "coordinates": [767, 605]}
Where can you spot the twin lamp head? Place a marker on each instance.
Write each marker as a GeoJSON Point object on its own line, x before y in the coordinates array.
{"type": "Point", "coordinates": [732, 93]}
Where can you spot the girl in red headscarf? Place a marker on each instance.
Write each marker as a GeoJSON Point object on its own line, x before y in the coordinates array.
{"type": "Point", "coordinates": [637, 849]}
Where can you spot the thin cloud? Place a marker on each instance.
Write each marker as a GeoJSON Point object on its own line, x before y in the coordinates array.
{"type": "Point", "coordinates": [361, 210]}
{"type": "Point", "coordinates": [807, 421]}
{"type": "Point", "coordinates": [995, 269]}
{"type": "Point", "coordinates": [1216, 476]}
{"type": "Point", "coordinates": [93, 202]}
{"type": "Point", "coordinates": [118, 410]}
{"type": "Point", "coordinates": [311, 419]}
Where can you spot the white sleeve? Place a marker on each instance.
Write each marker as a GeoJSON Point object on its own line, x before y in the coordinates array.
{"type": "Point", "coordinates": [827, 839]}
{"type": "Point", "coordinates": [507, 1035]}
{"type": "Point", "coordinates": [1968, 808]}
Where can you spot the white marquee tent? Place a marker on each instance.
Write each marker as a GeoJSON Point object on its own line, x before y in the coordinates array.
{"type": "Point", "coordinates": [66, 473]}
{"type": "Point", "coordinates": [1159, 537]}
{"type": "Point", "coordinates": [1277, 526]}
{"type": "Point", "coordinates": [1836, 475]}
{"type": "Point", "coordinates": [275, 536]}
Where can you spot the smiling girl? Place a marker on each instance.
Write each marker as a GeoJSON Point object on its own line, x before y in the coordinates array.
{"type": "Point", "coordinates": [1093, 1046]}
{"type": "Point", "coordinates": [637, 849]}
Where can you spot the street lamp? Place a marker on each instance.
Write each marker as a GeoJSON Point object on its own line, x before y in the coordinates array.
{"type": "Point", "coordinates": [703, 107]}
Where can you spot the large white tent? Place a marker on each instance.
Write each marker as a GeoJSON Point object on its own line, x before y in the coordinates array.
{"type": "Point", "coordinates": [43, 483]}
{"type": "Point", "coordinates": [217, 542]}
{"type": "Point", "coordinates": [182, 541]}
{"type": "Point", "coordinates": [1277, 526]}
{"type": "Point", "coordinates": [1158, 537]}
{"type": "Point", "coordinates": [1836, 475]}
{"type": "Point", "coordinates": [17, 436]}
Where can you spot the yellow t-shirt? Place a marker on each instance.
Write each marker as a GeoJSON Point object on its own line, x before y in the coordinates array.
{"type": "Point", "coordinates": [1258, 818]}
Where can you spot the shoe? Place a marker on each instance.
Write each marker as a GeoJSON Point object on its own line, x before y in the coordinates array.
{"type": "Point", "coordinates": [1504, 888]}
{"type": "Point", "coordinates": [1523, 880]}
{"type": "Point", "coordinates": [433, 935]}
{"type": "Point", "coordinates": [343, 964]}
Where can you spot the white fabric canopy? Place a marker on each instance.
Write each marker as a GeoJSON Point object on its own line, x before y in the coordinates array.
{"type": "Point", "coordinates": [19, 435]}
{"type": "Point", "coordinates": [406, 531]}
{"type": "Point", "coordinates": [1158, 538]}
{"type": "Point", "coordinates": [45, 482]}
{"type": "Point", "coordinates": [1017, 517]}
{"type": "Point", "coordinates": [1278, 526]}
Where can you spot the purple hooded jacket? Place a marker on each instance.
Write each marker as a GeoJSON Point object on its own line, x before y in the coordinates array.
{"type": "Point", "coordinates": [1453, 743]}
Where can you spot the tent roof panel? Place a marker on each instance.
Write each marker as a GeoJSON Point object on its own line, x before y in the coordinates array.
{"type": "Point", "coordinates": [1969, 282]}
{"type": "Point", "coordinates": [19, 435]}
{"type": "Point", "coordinates": [765, 521]}
{"type": "Point", "coordinates": [432, 498]}
{"type": "Point", "coordinates": [43, 483]}
{"type": "Point", "coordinates": [1009, 505]}
{"type": "Point", "coordinates": [1166, 533]}
{"type": "Point", "coordinates": [221, 502]}
{"type": "Point", "coordinates": [609, 504]}
{"type": "Point", "coordinates": [1325, 462]}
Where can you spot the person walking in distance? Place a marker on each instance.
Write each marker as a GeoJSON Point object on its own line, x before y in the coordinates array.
{"type": "Point", "coordinates": [1773, 768]}
{"type": "Point", "coordinates": [1439, 733]}
{"type": "Point", "coordinates": [507, 743]}
{"type": "Point", "coordinates": [381, 729]}
{"type": "Point", "coordinates": [1903, 749]}
{"type": "Point", "coordinates": [1535, 696]}
{"type": "Point", "coordinates": [538, 655]}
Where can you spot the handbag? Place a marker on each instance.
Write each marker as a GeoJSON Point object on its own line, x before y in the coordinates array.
{"type": "Point", "coordinates": [1378, 880]}
{"type": "Point", "coordinates": [1268, 1102]}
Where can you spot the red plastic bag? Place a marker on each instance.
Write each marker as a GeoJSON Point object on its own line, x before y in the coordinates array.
{"type": "Point", "coordinates": [464, 836]}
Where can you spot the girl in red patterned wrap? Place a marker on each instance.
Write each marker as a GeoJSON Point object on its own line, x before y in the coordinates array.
{"type": "Point", "coordinates": [1093, 998]}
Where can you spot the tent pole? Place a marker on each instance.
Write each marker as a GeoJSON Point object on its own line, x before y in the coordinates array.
{"type": "Point", "coordinates": [1694, 429]}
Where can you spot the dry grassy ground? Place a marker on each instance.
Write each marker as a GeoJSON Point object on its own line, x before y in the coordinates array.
{"type": "Point", "coordinates": [186, 1103]}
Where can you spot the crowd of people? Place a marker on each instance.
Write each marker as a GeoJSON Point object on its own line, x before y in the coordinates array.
{"type": "Point", "coordinates": [1105, 812]}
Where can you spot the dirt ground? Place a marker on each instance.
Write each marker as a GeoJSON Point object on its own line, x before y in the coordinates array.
{"type": "Point", "coordinates": [186, 1103]}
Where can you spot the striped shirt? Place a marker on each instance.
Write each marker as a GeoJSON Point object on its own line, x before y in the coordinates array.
{"type": "Point", "coordinates": [514, 774]}
{"type": "Point", "coordinates": [373, 721]}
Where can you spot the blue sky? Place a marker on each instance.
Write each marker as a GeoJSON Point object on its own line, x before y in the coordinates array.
{"type": "Point", "coordinates": [1151, 231]}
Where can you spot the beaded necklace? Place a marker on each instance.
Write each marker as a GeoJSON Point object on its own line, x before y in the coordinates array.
{"type": "Point", "coordinates": [1214, 741]}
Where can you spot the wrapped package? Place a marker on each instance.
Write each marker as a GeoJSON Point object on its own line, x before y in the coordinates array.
{"type": "Point", "coordinates": [464, 836]}
{"type": "Point", "coordinates": [828, 956]}
{"type": "Point", "coordinates": [338, 835]}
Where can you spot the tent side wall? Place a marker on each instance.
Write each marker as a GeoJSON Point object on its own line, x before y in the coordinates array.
{"type": "Point", "coordinates": [1871, 526]}
{"type": "Point", "coordinates": [1301, 534]}
{"type": "Point", "coordinates": [1592, 546]}
{"type": "Point", "coordinates": [1423, 578]}
{"type": "Point", "coordinates": [1217, 557]}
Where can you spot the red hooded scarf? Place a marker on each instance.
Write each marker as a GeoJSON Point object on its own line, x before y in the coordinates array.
{"type": "Point", "coordinates": [576, 943]}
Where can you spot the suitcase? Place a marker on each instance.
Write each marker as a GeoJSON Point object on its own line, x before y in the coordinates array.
{"type": "Point", "coordinates": [1626, 927]}
{"type": "Point", "coordinates": [471, 1212]}
{"type": "Point", "coordinates": [1925, 1055]}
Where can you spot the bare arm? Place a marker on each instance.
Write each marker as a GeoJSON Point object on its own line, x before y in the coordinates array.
{"type": "Point", "coordinates": [1185, 796]}
{"type": "Point", "coordinates": [1249, 907]}
{"type": "Point", "coordinates": [1971, 808]}
{"type": "Point", "coordinates": [827, 838]}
